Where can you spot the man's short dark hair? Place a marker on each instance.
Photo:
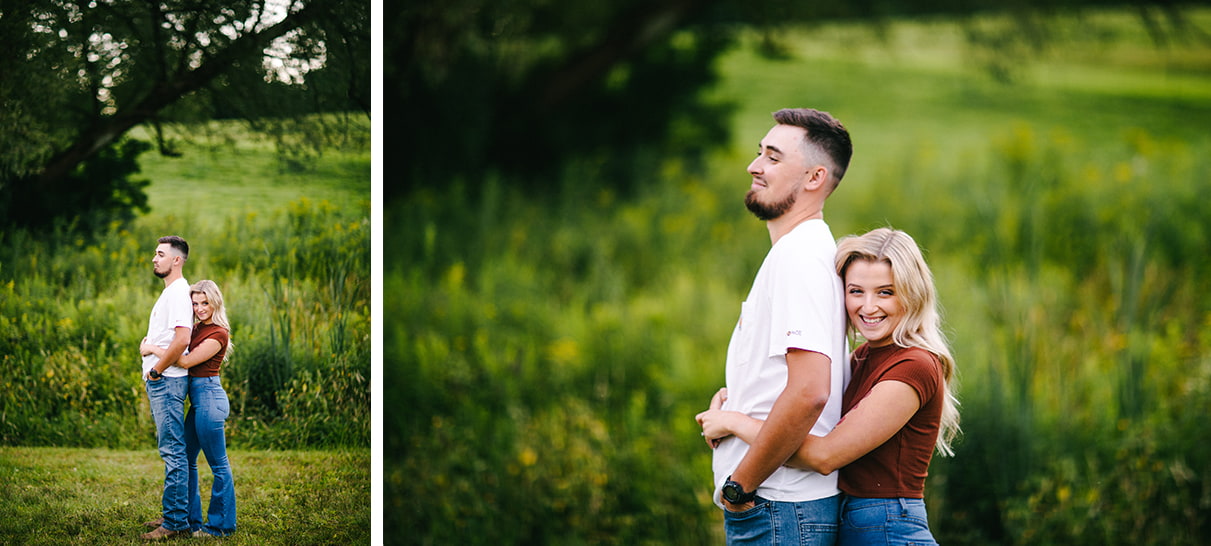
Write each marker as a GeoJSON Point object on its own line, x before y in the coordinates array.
{"type": "Point", "coordinates": [824, 131]}
{"type": "Point", "coordinates": [177, 243]}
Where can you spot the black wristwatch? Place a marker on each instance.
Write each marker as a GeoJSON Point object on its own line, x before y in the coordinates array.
{"type": "Point", "coordinates": [154, 374]}
{"type": "Point", "coordinates": [735, 494]}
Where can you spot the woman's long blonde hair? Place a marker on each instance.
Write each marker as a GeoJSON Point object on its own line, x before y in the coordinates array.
{"type": "Point", "coordinates": [922, 324]}
{"type": "Point", "coordinates": [218, 314]}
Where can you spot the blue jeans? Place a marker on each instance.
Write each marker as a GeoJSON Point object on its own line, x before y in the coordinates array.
{"type": "Point", "coordinates": [884, 522]}
{"type": "Point", "coordinates": [208, 411]}
{"type": "Point", "coordinates": [769, 523]}
{"type": "Point", "coordinates": [167, 398]}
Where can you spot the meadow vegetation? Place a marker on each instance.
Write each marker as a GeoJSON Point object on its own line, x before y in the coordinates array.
{"type": "Point", "coordinates": [545, 355]}
{"type": "Point", "coordinates": [290, 248]}
{"type": "Point", "coordinates": [289, 244]}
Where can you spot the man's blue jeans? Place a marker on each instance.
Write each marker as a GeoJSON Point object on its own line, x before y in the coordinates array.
{"type": "Point", "coordinates": [769, 523]}
{"type": "Point", "coordinates": [208, 410]}
{"type": "Point", "coordinates": [167, 397]}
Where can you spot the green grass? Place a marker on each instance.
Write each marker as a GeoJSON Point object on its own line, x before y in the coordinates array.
{"type": "Point", "coordinates": [227, 170]}
{"type": "Point", "coordinates": [101, 496]}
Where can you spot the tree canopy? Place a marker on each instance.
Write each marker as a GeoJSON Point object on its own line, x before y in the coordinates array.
{"type": "Point", "coordinates": [79, 74]}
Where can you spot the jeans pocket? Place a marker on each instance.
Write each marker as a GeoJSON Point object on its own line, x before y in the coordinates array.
{"type": "Point", "coordinates": [222, 406]}
{"type": "Point", "coordinates": [868, 516]}
{"type": "Point", "coordinates": [749, 526]}
{"type": "Point", "coordinates": [912, 513]}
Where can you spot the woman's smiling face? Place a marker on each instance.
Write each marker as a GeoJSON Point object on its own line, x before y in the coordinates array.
{"type": "Point", "coordinates": [201, 308]}
{"type": "Point", "coordinates": [871, 302]}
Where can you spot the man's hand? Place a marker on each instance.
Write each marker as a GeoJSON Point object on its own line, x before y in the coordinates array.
{"type": "Point", "coordinates": [739, 507]}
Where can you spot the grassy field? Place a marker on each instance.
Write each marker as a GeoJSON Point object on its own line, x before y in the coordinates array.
{"type": "Point", "coordinates": [101, 496]}
{"type": "Point", "coordinates": [227, 171]}
{"type": "Point", "coordinates": [289, 244]}
{"type": "Point", "coordinates": [555, 351]}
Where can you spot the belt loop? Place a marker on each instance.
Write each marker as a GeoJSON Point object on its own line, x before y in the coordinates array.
{"type": "Point", "coordinates": [903, 506]}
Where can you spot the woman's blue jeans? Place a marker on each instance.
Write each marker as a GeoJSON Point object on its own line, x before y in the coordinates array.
{"type": "Point", "coordinates": [167, 399]}
{"type": "Point", "coordinates": [899, 521]}
{"type": "Point", "coordinates": [208, 411]}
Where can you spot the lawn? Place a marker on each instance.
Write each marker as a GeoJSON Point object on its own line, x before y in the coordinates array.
{"type": "Point", "coordinates": [101, 496]}
{"type": "Point", "coordinates": [227, 170]}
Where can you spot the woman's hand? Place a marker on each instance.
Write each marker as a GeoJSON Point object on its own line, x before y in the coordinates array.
{"type": "Point", "coordinates": [146, 348]}
{"type": "Point", "coordinates": [711, 416]}
{"type": "Point", "coordinates": [718, 424]}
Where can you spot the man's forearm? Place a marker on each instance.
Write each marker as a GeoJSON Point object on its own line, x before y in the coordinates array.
{"type": "Point", "coordinates": [789, 422]}
{"type": "Point", "coordinates": [790, 419]}
{"type": "Point", "coordinates": [171, 355]}
{"type": "Point", "coordinates": [173, 352]}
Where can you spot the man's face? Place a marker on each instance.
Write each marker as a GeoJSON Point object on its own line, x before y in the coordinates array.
{"type": "Point", "coordinates": [161, 264]}
{"type": "Point", "coordinates": [778, 172]}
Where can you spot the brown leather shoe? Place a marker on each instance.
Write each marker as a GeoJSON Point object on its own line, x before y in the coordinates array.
{"type": "Point", "coordinates": [161, 533]}
{"type": "Point", "coordinates": [153, 523]}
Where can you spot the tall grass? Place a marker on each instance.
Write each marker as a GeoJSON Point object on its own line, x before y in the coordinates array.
{"type": "Point", "coordinates": [544, 358]}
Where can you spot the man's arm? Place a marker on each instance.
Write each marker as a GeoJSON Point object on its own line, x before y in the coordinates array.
{"type": "Point", "coordinates": [808, 376]}
{"type": "Point", "coordinates": [180, 340]}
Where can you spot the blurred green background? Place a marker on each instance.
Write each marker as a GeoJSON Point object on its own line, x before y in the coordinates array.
{"type": "Point", "coordinates": [552, 327]}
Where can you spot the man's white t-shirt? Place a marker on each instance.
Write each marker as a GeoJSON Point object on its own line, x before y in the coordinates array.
{"type": "Point", "coordinates": [797, 302]}
{"type": "Point", "coordinates": [173, 310]}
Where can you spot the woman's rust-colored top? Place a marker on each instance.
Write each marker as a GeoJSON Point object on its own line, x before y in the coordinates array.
{"type": "Point", "coordinates": [203, 332]}
{"type": "Point", "coordinates": [898, 467]}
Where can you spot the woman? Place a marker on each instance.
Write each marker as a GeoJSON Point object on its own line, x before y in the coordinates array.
{"type": "Point", "coordinates": [899, 404]}
{"type": "Point", "coordinates": [209, 407]}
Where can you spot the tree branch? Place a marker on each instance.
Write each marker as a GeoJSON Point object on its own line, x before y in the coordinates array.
{"type": "Point", "coordinates": [629, 34]}
{"type": "Point", "coordinates": [163, 94]}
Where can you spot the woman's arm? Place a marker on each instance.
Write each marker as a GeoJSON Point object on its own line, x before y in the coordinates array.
{"type": "Point", "coordinates": [884, 411]}
{"type": "Point", "coordinates": [876, 418]}
{"type": "Point", "coordinates": [718, 424]}
{"type": "Point", "coordinates": [203, 352]}
{"type": "Point", "coordinates": [146, 348]}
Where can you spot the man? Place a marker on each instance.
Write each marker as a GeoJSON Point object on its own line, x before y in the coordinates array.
{"type": "Point", "coordinates": [787, 359]}
{"type": "Point", "coordinates": [167, 384]}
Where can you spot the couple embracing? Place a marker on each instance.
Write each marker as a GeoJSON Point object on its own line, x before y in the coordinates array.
{"type": "Point", "coordinates": [814, 444]}
{"type": "Point", "coordinates": [193, 318]}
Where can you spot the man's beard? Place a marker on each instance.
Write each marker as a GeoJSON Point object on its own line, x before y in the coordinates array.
{"type": "Point", "coordinates": [160, 275]}
{"type": "Point", "coordinates": [768, 211]}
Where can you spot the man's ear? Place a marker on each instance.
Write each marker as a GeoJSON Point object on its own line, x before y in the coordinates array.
{"type": "Point", "coordinates": [817, 176]}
